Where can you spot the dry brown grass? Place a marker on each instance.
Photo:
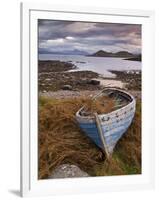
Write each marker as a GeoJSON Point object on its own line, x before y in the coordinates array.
{"type": "Point", "coordinates": [131, 143]}
{"type": "Point", "coordinates": [61, 141]}
{"type": "Point", "coordinates": [102, 105]}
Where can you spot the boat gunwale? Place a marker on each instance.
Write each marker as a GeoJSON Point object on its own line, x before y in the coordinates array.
{"type": "Point", "coordinates": [110, 113]}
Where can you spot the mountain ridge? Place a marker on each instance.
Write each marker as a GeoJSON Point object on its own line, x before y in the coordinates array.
{"type": "Point", "coordinates": [121, 54]}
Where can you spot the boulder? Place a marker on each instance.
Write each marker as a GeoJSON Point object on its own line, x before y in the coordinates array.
{"type": "Point", "coordinates": [68, 171]}
{"type": "Point", "coordinates": [93, 82]}
{"type": "Point", "coordinates": [67, 87]}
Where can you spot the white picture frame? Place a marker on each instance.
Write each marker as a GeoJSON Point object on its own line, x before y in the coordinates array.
{"type": "Point", "coordinates": [30, 185]}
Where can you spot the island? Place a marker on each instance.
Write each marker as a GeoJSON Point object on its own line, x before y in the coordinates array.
{"type": "Point", "coordinates": [135, 58]}
{"type": "Point", "coordinates": [119, 54]}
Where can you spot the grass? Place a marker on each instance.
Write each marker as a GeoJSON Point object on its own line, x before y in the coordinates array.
{"type": "Point", "coordinates": [61, 141]}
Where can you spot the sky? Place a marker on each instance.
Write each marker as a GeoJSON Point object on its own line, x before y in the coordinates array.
{"type": "Point", "coordinates": [83, 38]}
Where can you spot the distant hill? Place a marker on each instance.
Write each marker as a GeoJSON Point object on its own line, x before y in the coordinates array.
{"type": "Point", "coordinates": [135, 58]}
{"type": "Point", "coordinates": [123, 54]}
{"type": "Point", "coordinates": [120, 54]}
{"type": "Point", "coordinates": [102, 53]}
{"type": "Point", "coordinates": [68, 52]}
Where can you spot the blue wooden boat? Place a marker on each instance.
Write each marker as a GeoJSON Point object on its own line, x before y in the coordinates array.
{"type": "Point", "coordinates": [106, 129]}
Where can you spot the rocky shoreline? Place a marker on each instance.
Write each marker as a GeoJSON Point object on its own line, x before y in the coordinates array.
{"type": "Point", "coordinates": [56, 75]}
{"type": "Point", "coordinates": [66, 94]}
{"type": "Point", "coordinates": [131, 78]}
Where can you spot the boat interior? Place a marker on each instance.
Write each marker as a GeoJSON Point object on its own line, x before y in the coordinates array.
{"type": "Point", "coordinates": [106, 101]}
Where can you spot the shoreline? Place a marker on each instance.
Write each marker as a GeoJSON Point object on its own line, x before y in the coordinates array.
{"type": "Point", "coordinates": [66, 94]}
{"type": "Point", "coordinates": [55, 75]}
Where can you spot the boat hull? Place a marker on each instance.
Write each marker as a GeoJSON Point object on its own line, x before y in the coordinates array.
{"type": "Point", "coordinates": [113, 125]}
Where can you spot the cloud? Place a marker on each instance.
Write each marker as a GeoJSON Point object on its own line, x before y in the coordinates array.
{"type": "Point", "coordinates": [55, 36]}
{"type": "Point", "coordinates": [69, 38]}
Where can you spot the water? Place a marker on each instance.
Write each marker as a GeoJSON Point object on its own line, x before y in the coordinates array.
{"type": "Point", "coordinates": [101, 65]}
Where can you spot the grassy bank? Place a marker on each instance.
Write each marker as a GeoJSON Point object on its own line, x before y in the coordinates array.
{"type": "Point", "coordinates": [61, 141]}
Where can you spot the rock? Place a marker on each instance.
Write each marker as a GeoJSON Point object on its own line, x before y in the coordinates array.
{"type": "Point", "coordinates": [80, 82]}
{"type": "Point", "coordinates": [67, 87]}
{"type": "Point", "coordinates": [68, 171]}
{"type": "Point", "coordinates": [47, 79]}
{"type": "Point", "coordinates": [93, 82]}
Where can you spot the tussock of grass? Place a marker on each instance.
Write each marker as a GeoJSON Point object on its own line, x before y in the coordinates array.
{"type": "Point", "coordinates": [61, 141]}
